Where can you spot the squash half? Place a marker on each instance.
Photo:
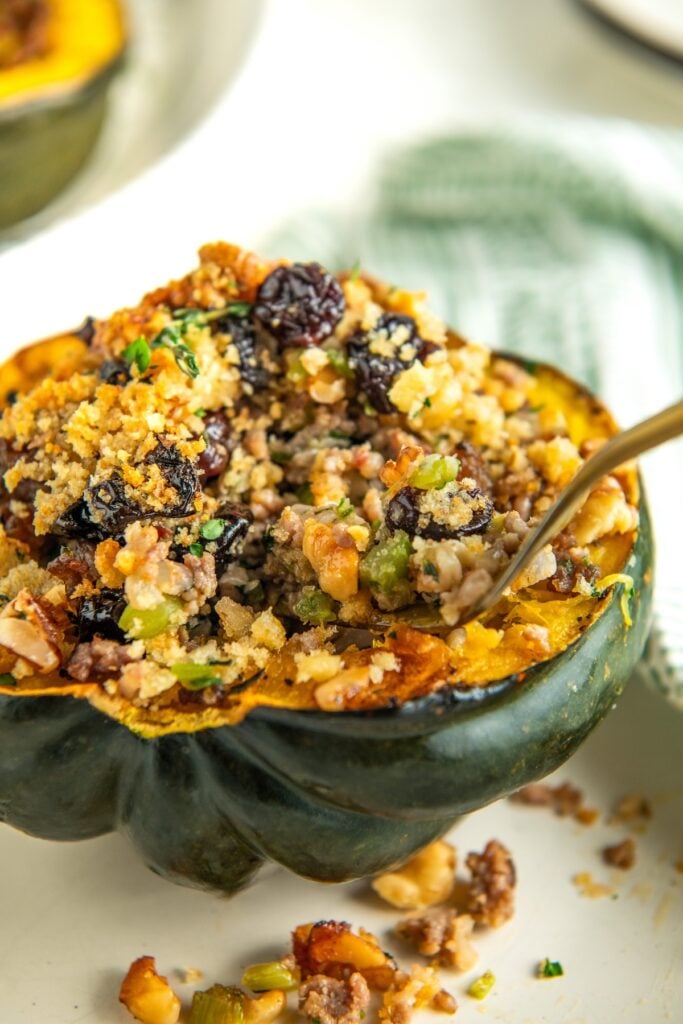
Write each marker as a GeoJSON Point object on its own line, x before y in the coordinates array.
{"type": "Point", "coordinates": [208, 798]}
{"type": "Point", "coordinates": [52, 105]}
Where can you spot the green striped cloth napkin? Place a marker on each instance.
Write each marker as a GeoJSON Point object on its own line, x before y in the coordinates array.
{"type": "Point", "coordinates": [562, 241]}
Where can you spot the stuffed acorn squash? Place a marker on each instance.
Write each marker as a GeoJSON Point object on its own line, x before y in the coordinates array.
{"type": "Point", "coordinates": [57, 59]}
{"type": "Point", "coordinates": [241, 521]}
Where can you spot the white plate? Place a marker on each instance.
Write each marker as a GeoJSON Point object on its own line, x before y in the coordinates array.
{"type": "Point", "coordinates": [75, 915]}
{"type": "Point", "coordinates": [182, 55]}
{"type": "Point", "coordinates": [657, 23]}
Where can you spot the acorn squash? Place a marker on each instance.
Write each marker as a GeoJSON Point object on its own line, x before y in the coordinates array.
{"type": "Point", "coordinates": [53, 92]}
{"type": "Point", "coordinates": [263, 771]}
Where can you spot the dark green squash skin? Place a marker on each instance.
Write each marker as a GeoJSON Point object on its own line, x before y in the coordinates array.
{"type": "Point", "coordinates": [45, 142]}
{"type": "Point", "coordinates": [329, 796]}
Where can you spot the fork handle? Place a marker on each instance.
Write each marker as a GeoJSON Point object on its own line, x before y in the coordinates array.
{"type": "Point", "coordinates": [655, 430]}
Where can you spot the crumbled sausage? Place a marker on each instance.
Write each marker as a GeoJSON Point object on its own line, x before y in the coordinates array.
{"type": "Point", "coordinates": [492, 889]}
{"type": "Point", "coordinates": [621, 855]}
{"type": "Point", "coordinates": [564, 799]}
{"type": "Point", "coordinates": [444, 934]}
{"type": "Point", "coordinates": [99, 659]}
{"type": "Point", "coordinates": [333, 1000]}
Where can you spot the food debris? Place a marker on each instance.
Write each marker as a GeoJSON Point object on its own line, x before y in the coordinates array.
{"type": "Point", "coordinates": [415, 991]}
{"type": "Point", "coordinates": [190, 975]}
{"type": "Point", "coordinates": [549, 969]}
{"type": "Point", "coordinates": [620, 855]}
{"type": "Point", "coordinates": [587, 886]}
{"type": "Point", "coordinates": [492, 889]}
{"type": "Point", "coordinates": [148, 995]}
{"type": "Point", "coordinates": [423, 881]}
{"type": "Point", "coordinates": [632, 808]}
{"type": "Point", "coordinates": [480, 987]}
{"type": "Point", "coordinates": [565, 800]}
{"type": "Point", "coordinates": [444, 934]}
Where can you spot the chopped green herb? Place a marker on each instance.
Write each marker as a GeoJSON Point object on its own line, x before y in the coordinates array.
{"type": "Point", "coordinates": [427, 403]}
{"type": "Point", "coordinates": [212, 529]}
{"type": "Point", "coordinates": [138, 352]}
{"type": "Point", "coordinates": [550, 969]}
{"type": "Point", "coordinates": [338, 435]}
{"type": "Point", "coordinates": [430, 569]}
{"type": "Point", "coordinates": [201, 412]}
{"type": "Point", "coordinates": [355, 271]}
{"type": "Point", "coordinates": [535, 408]}
{"type": "Point", "coordinates": [194, 677]}
{"type": "Point", "coordinates": [280, 458]}
{"type": "Point", "coordinates": [7, 679]}
{"type": "Point", "coordinates": [268, 976]}
{"type": "Point", "coordinates": [305, 494]}
{"type": "Point", "coordinates": [171, 337]}
{"type": "Point", "coordinates": [344, 508]}
{"type": "Point", "coordinates": [481, 987]}
{"type": "Point", "coordinates": [239, 309]}
{"type": "Point", "coordinates": [196, 549]}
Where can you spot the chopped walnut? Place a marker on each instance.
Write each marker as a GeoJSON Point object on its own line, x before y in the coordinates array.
{"type": "Point", "coordinates": [426, 879]}
{"type": "Point", "coordinates": [444, 934]}
{"type": "Point", "coordinates": [491, 891]}
{"type": "Point", "coordinates": [333, 1000]}
{"type": "Point", "coordinates": [148, 995]}
{"type": "Point", "coordinates": [621, 855]}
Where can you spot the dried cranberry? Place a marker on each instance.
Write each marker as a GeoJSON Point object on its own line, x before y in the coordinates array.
{"type": "Point", "coordinates": [114, 371]}
{"type": "Point", "coordinates": [76, 521]}
{"type": "Point", "coordinates": [404, 512]}
{"type": "Point", "coordinates": [178, 473]}
{"type": "Point", "coordinates": [237, 519]}
{"type": "Point", "coordinates": [99, 616]}
{"type": "Point", "coordinates": [219, 444]}
{"type": "Point", "coordinates": [106, 510]}
{"type": "Point", "coordinates": [299, 305]}
{"type": "Point", "coordinates": [376, 373]}
{"type": "Point", "coordinates": [243, 337]}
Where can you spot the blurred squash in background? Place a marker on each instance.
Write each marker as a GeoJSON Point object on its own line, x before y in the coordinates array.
{"type": "Point", "coordinates": [57, 60]}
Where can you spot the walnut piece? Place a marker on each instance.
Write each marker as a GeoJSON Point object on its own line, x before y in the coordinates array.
{"type": "Point", "coordinates": [426, 879]}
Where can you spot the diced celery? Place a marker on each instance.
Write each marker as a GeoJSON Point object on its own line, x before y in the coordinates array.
{"type": "Point", "coordinates": [194, 677]}
{"type": "Point", "coordinates": [144, 623]}
{"type": "Point", "coordinates": [481, 987]}
{"type": "Point", "coordinates": [385, 565]}
{"type": "Point", "coordinates": [218, 1005]}
{"type": "Point", "coordinates": [339, 362]}
{"type": "Point", "coordinates": [314, 606]}
{"type": "Point", "coordinates": [264, 977]}
{"type": "Point", "coordinates": [435, 471]}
